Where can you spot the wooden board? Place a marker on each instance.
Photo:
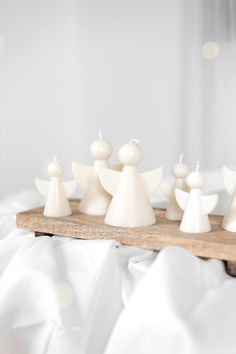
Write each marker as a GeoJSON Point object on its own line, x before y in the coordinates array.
{"type": "Point", "coordinates": [217, 244]}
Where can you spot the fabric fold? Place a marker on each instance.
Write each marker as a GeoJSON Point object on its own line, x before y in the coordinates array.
{"type": "Point", "coordinates": [59, 295]}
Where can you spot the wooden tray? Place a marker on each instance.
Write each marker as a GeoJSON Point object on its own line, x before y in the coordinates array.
{"type": "Point", "coordinates": [217, 244]}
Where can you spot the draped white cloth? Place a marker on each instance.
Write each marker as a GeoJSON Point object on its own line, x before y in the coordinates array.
{"type": "Point", "coordinates": [61, 295]}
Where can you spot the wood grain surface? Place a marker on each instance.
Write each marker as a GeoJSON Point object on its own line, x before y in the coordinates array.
{"type": "Point", "coordinates": [217, 244]}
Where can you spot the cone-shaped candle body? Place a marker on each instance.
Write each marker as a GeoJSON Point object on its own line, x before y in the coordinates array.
{"type": "Point", "coordinates": [130, 205]}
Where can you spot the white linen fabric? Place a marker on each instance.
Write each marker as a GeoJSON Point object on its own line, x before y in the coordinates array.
{"type": "Point", "coordinates": [61, 295]}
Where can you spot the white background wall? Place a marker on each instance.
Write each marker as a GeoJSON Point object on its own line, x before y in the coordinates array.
{"type": "Point", "coordinates": [132, 68]}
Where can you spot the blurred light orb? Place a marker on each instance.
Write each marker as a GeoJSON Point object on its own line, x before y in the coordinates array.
{"type": "Point", "coordinates": [65, 294]}
{"type": "Point", "coordinates": [2, 45]}
{"type": "Point", "coordinates": [210, 50]}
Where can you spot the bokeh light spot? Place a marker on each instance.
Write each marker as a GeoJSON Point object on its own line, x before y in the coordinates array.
{"type": "Point", "coordinates": [210, 50]}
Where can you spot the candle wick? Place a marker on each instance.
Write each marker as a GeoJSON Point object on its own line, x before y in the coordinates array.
{"type": "Point", "coordinates": [134, 141]}
{"type": "Point", "coordinates": [181, 158]}
{"type": "Point", "coordinates": [197, 166]}
{"type": "Point", "coordinates": [100, 134]}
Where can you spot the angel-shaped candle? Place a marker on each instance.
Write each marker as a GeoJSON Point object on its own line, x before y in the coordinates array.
{"type": "Point", "coordinates": [196, 206]}
{"type": "Point", "coordinates": [229, 221]}
{"type": "Point", "coordinates": [180, 172]}
{"type": "Point", "coordinates": [130, 205]}
{"type": "Point", "coordinates": [95, 200]}
{"type": "Point", "coordinates": [55, 191]}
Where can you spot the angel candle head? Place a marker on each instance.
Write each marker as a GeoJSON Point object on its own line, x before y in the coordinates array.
{"type": "Point", "coordinates": [101, 149]}
{"type": "Point", "coordinates": [195, 179]}
{"type": "Point", "coordinates": [55, 168]}
{"type": "Point", "coordinates": [131, 154]}
{"type": "Point", "coordinates": [180, 170]}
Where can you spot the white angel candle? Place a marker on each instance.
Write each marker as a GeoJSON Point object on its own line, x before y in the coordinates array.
{"type": "Point", "coordinates": [180, 172]}
{"type": "Point", "coordinates": [55, 191]}
{"type": "Point", "coordinates": [196, 206]}
{"type": "Point", "coordinates": [95, 200]}
{"type": "Point", "coordinates": [130, 205]}
{"type": "Point", "coordinates": [229, 221]}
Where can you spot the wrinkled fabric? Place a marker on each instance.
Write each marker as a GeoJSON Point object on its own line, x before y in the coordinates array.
{"type": "Point", "coordinates": [62, 295]}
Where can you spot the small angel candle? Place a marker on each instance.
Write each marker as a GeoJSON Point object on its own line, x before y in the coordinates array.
{"type": "Point", "coordinates": [196, 206]}
{"type": "Point", "coordinates": [130, 205]}
{"type": "Point", "coordinates": [180, 172]}
{"type": "Point", "coordinates": [56, 192]}
{"type": "Point", "coordinates": [229, 221]}
{"type": "Point", "coordinates": [95, 200]}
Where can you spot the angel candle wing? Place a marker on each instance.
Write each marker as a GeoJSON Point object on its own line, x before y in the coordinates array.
{"type": "Point", "coordinates": [95, 200]}
{"type": "Point", "coordinates": [55, 191]}
{"type": "Point", "coordinates": [130, 205]}
{"type": "Point", "coordinates": [180, 172]}
{"type": "Point", "coordinates": [196, 206]}
{"type": "Point", "coordinates": [229, 221]}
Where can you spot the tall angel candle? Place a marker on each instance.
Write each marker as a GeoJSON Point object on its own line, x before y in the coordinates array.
{"type": "Point", "coordinates": [180, 172]}
{"type": "Point", "coordinates": [95, 200]}
{"type": "Point", "coordinates": [130, 205]}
